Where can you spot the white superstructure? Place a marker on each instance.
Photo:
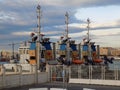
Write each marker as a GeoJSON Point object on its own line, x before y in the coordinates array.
{"type": "Point", "coordinates": [23, 52]}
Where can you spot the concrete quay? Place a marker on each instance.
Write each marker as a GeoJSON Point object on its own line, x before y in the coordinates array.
{"type": "Point", "coordinates": [20, 78]}
{"type": "Point", "coordinates": [60, 86]}
{"type": "Point", "coordinates": [32, 79]}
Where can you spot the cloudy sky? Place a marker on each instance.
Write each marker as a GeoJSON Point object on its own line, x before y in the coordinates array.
{"type": "Point", "coordinates": [18, 19]}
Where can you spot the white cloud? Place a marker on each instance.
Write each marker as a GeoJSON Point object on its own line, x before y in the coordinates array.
{"type": "Point", "coordinates": [79, 3]}
{"type": "Point", "coordinates": [21, 33]}
{"type": "Point", "coordinates": [98, 14]}
{"type": "Point", "coordinates": [104, 20]}
{"type": "Point", "coordinates": [6, 16]}
{"type": "Point", "coordinates": [96, 25]}
{"type": "Point", "coordinates": [55, 37]}
{"type": "Point", "coordinates": [26, 33]}
{"type": "Point", "coordinates": [97, 33]}
{"type": "Point", "coordinates": [12, 18]}
{"type": "Point", "coordinates": [105, 24]}
{"type": "Point", "coordinates": [18, 3]}
{"type": "Point", "coordinates": [106, 32]}
{"type": "Point", "coordinates": [51, 32]}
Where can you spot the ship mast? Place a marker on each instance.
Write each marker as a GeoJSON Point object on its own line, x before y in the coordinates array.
{"type": "Point", "coordinates": [66, 22]}
{"type": "Point", "coordinates": [67, 43]}
{"type": "Point", "coordinates": [39, 37]}
{"type": "Point", "coordinates": [88, 27]}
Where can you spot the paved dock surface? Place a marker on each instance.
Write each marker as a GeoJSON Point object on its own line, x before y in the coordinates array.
{"type": "Point", "coordinates": [66, 86]}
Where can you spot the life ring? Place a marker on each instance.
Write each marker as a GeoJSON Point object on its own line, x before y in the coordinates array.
{"type": "Point", "coordinates": [49, 53]}
{"type": "Point", "coordinates": [78, 61]}
{"type": "Point", "coordinates": [98, 60]}
{"type": "Point", "coordinates": [54, 77]}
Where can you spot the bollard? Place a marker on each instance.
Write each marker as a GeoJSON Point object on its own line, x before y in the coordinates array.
{"type": "Point", "coordinates": [2, 70]}
{"type": "Point", "coordinates": [19, 69]}
{"type": "Point", "coordinates": [47, 68]}
{"type": "Point", "coordinates": [31, 68]}
{"type": "Point", "coordinates": [48, 71]}
{"type": "Point", "coordinates": [3, 75]}
{"type": "Point", "coordinates": [15, 68]}
{"type": "Point", "coordinates": [34, 68]}
{"type": "Point", "coordinates": [36, 73]}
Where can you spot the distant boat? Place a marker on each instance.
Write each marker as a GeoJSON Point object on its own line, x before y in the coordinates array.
{"type": "Point", "coordinates": [116, 58]}
{"type": "Point", "coordinates": [1, 63]}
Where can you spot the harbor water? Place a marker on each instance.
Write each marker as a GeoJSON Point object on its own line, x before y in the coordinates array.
{"type": "Point", "coordinates": [115, 65]}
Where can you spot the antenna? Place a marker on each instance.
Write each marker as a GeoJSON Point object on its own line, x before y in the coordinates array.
{"type": "Point", "coordinates": [13, 49]}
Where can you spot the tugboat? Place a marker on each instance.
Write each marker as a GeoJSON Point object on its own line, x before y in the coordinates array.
{"type": "Point", "coordinates": [74, 53]}
{"type": "Point", "coordinates": [45, 54]}
{"type": "Point", "coordinates": [90, 51]}
{"type": "Point", "coordinates": [41, 52]}
{"type": "Point", "coordinates": [68, 49]}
